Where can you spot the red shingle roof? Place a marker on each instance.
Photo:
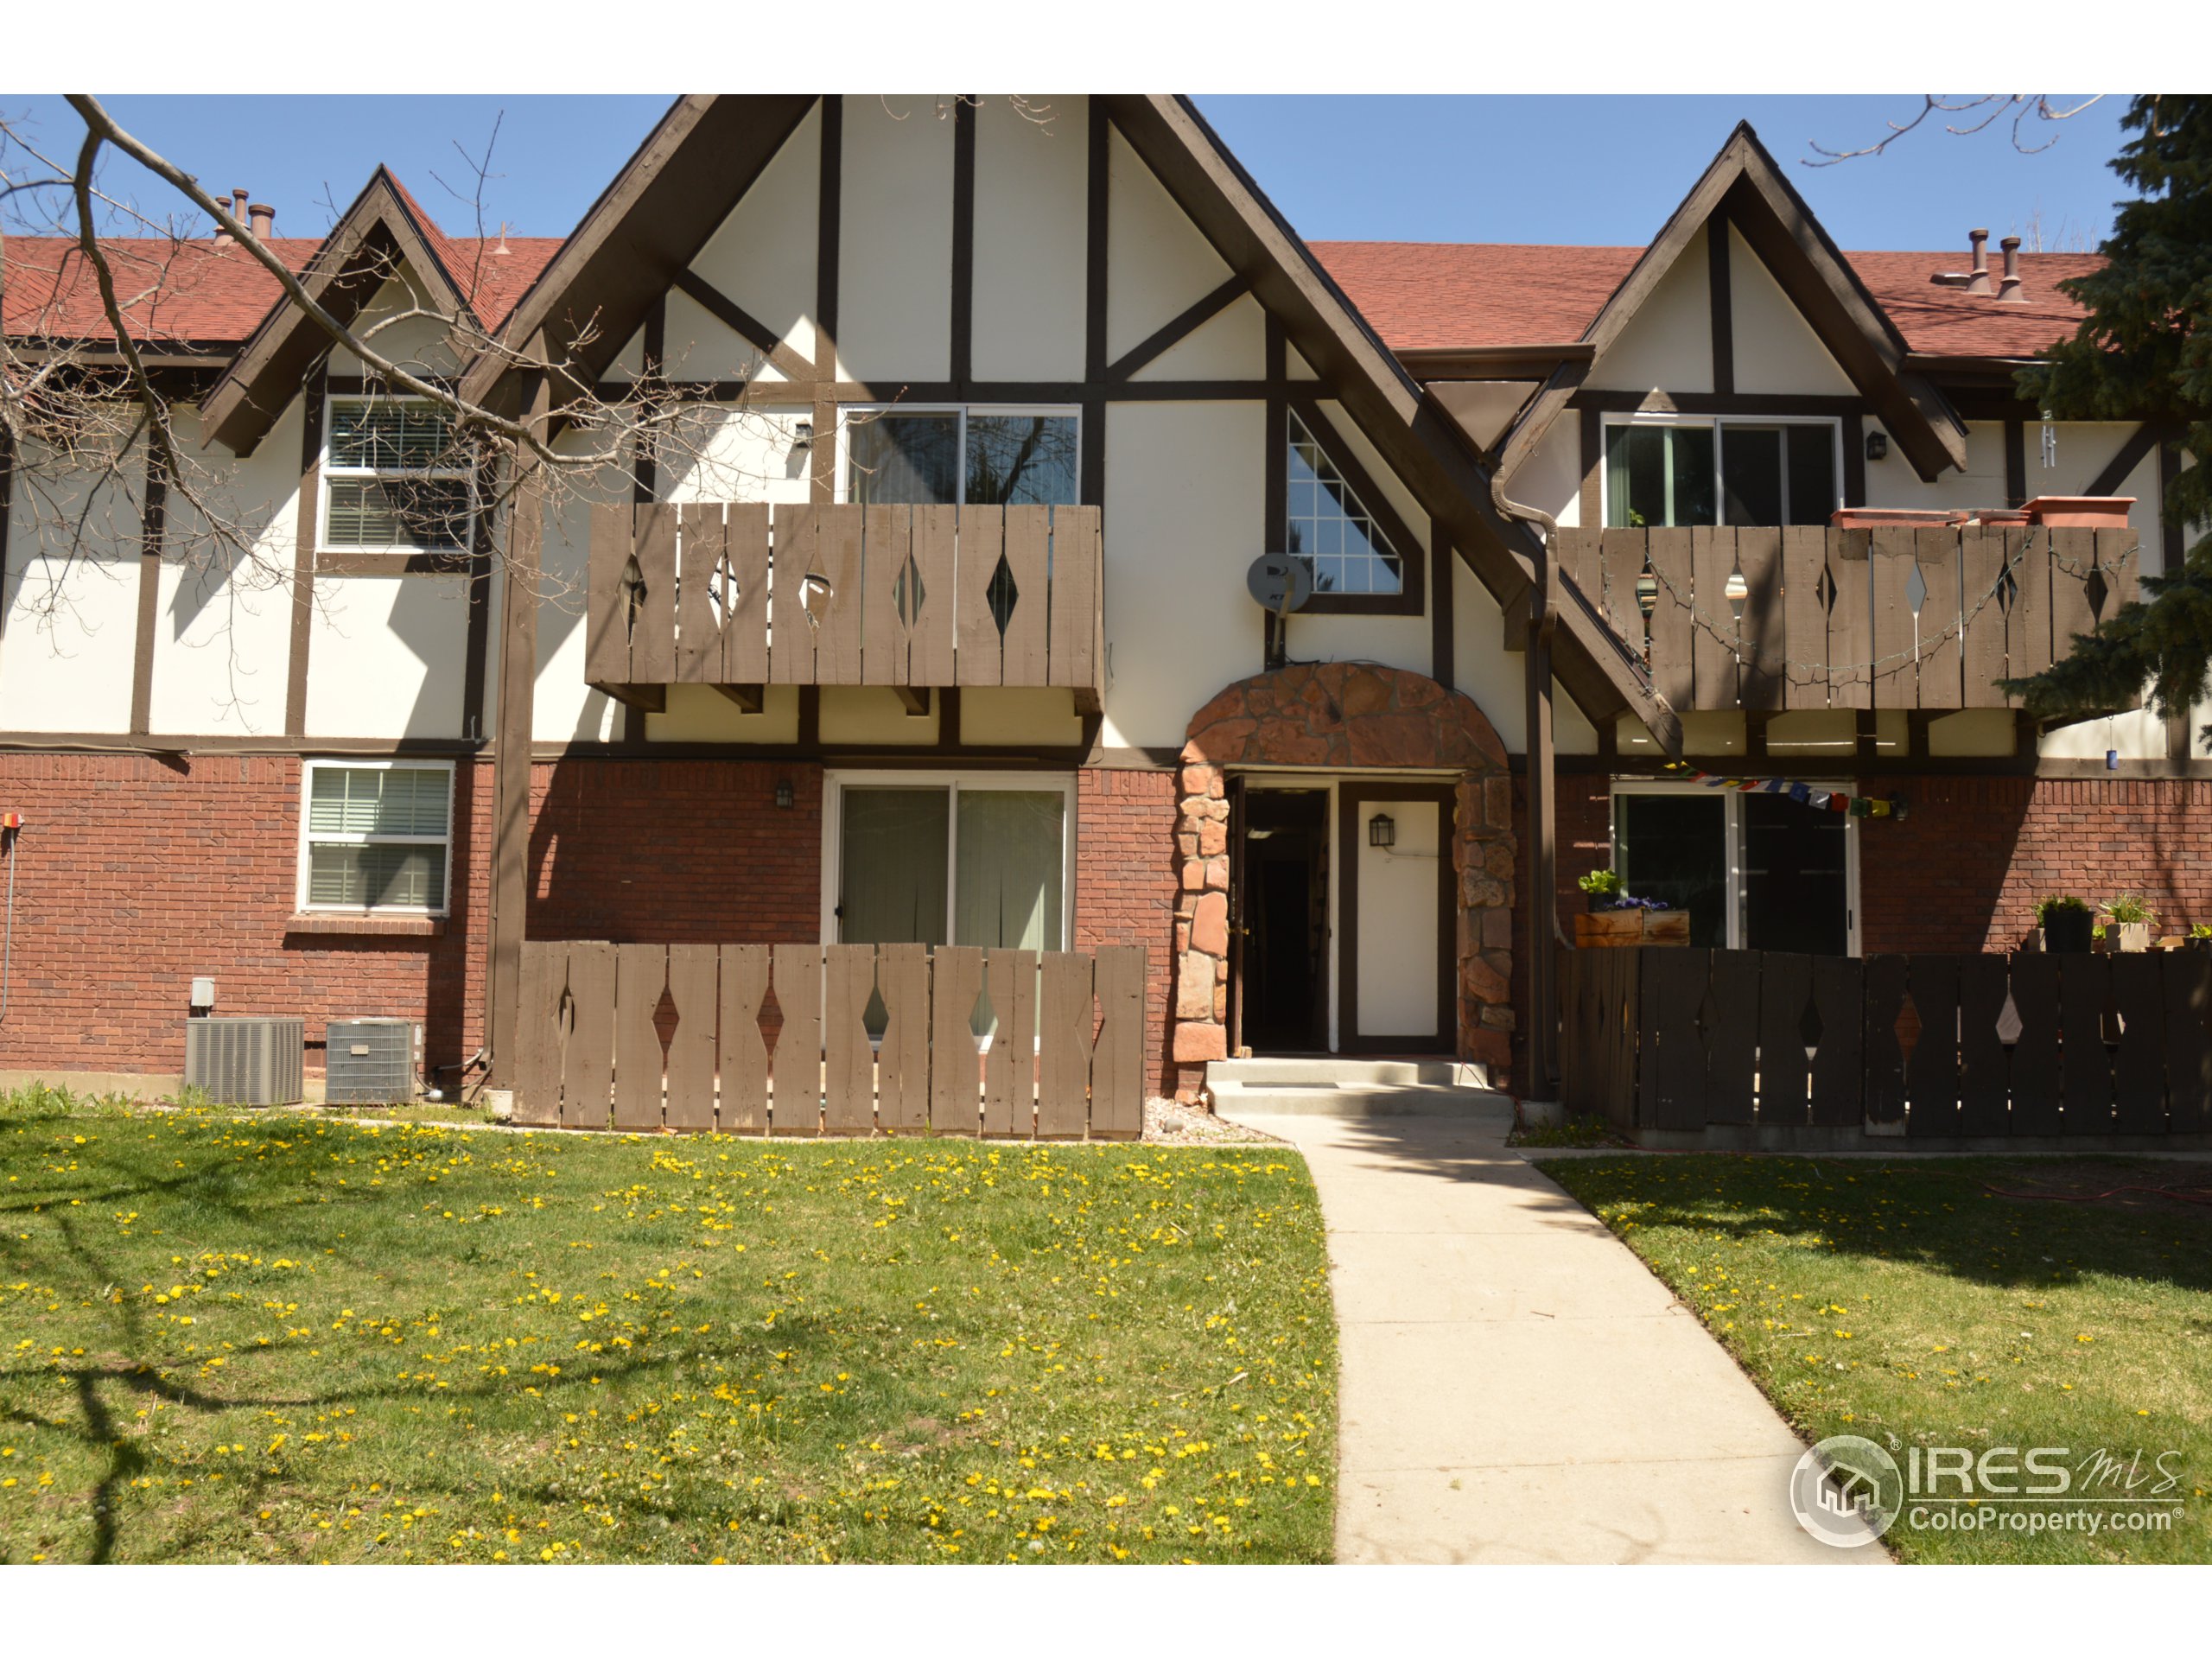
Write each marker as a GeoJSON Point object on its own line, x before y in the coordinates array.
{"type": "Point", "coordinates": [1461, 296]}
{"type": "Point", "coordinates": [195, 294]}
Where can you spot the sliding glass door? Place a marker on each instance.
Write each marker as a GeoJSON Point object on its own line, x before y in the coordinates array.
{"type": "Point", "coordinates": [1755, 871]}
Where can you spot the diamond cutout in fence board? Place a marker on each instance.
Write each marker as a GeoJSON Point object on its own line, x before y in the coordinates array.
{"type": "Point", "coordinates": [666, 1017]}
{"type": "Point", "coordinates": [876, 1017]}
{"type": "Point", "coordinates": [2098, 590]}
{"type": "Point", "coordinates": [1825, 590]}
{"type": "Point", "coordinates": [1003, 595]}
{"type": "Point", "coordinates": [633, 597]}
{"type": "Point", "coordinates": [1809, 1028]}
{"type": "Point", "coordinates": [1908, 1028]}
{"type": "Point", "coordinates": [721, 590]}
{"type": "Point", "coordinates": [1709, 1016]}
{"type": "Point", "coordinates": [983, 1019]}
{"type": "Point", "coordinates": [2008, 1021]}
{"type": "Point", "coordinates": [1916, 590]}
{"type": "Point", "coordinates": [815, 593]}
{"type": "Point", "coordinates": [2008, 591]}
{"type": "Point", "coordinates": [908, 592]}
{"type": "Point", "coordinates": [2112, 1023]}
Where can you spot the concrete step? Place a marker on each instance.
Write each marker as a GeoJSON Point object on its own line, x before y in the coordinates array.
{"type": "Point", "coordinates": [1327, 1068]}
{"type": "Point", "coordinates": [1239, 1101]}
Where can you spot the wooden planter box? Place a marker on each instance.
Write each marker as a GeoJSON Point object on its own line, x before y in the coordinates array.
{"type": "Point", "coordinates": [1618, 930]}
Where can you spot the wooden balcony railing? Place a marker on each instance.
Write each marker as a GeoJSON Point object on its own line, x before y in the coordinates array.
{"type": "Point", "coordinates": [739, 596]}
{"type": "Point", "coordinates": [1906, 618]}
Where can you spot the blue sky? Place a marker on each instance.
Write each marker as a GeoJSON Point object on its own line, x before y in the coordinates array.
{"type": "Point", "coordinates": [1502, 169]}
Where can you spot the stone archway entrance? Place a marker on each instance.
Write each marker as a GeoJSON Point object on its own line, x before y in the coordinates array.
{"type": "Point", "coordinates": [1342, 717]}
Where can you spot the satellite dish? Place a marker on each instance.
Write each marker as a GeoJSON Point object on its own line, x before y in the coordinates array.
{"type": "Point", "coordinates": [1280, 583]}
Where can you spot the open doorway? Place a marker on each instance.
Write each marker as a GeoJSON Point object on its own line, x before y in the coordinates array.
{"type": "Point", "coordinates": [1278, 901]}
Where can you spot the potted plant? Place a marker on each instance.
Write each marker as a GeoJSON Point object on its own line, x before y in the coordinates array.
{"type": "Point", "coordinates": [1614, 925]}
{"type": "Point", "coordinates": [2066, 925]}
{"type": "Point", "coordinates": [2200, 937]}
{"type": "Point", "coordinates": [1600, 888]}
{"type": "Point", "coordinates": [1663, 925]}
{"type": "Point", "coordinates": [2128, 921]}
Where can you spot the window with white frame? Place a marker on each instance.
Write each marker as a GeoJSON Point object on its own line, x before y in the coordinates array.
{"type": "Point", "coordinates": [927, 858]}
{"type": "Point", "coordinates": [392, 481]}
{"type": "Point", "coordinates": [1723, 471]}
{"type": "Point", "coordinates": [958, 455]}
{"type": "Point", "coordinates": [1756, 871]}
{"type": "Point", "coordinates": [1331, 529]}
{"type": "Point", "coordinates": [377, 835]}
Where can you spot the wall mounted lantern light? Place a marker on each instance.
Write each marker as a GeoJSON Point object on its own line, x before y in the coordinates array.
{"type": "Point", "coordinates": [1877, 445]}
{"type": "Point", "coordinates": [784, 795]}
{"type": "Point", "coordinates": [1381, 831]}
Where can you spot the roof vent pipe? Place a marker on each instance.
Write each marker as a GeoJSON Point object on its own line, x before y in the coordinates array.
{"type": "Point", "coordinates": [264, 217]}
{"type": "Point", "coordinates": [2008, 291]}
{"type": "Point", "coordinates": [1978, 279]}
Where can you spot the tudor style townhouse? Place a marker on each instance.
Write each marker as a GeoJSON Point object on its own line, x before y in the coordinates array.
{"type": "Point", "coordinates": [933, 622]}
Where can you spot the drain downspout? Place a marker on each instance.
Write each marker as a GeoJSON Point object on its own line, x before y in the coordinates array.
{"type": "Point", "coordinates": [1543, 858]}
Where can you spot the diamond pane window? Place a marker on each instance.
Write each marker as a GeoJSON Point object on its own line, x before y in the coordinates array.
{"type": "Point", "coordinates": [377, 837]}
{"type": "Point", "coordinates": [1331, 529]}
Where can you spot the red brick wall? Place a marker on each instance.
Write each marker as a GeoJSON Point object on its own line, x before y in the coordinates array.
{"type": "Point", "coordinates": [676, 851]}
{"type": "Point", "coordinates": [1964, 870]}
{"type": "Point", "coordinates": [1126, 883]}
{"type": "Point", "coordinates": [135, 874]}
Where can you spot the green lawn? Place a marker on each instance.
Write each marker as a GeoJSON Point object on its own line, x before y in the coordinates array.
{"type": "Point", "coordinates": [288, 1337]}
{"type": "Point", "coordinates": [1911, 1304]}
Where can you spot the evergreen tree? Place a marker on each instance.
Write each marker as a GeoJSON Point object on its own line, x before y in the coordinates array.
{"type": "Point", "coordinates": [2145, 352]}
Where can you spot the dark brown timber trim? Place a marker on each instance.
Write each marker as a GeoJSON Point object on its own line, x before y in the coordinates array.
{"type": "Point", "coordinates": [511, 883]}
{"type": "Point", "coordinates": [2140, 444]}
{"type": "Point", "coordinates": [1855, 460]}
{"type": "Point", "coordinates": [1593, 498]}
{"type": "Point", "coordinates": [2170, 537]}
{"type": "Point", "coordinates": [1173, 333]}
{"type": "Point", "coordinates": [309, 521]}
{"type": "Point", "coordinates": [152, 518]}
{"type": "Point", "coordinates": [1723, 325]}
{"type": "Point", "coordinates": [830, 206]}
{"type": "Point", "coordinates": [1707, 403]}
{"type": "Point", "coordinates": [2016, 463]}
{"type": "Point", "coordinates": [964, 241]}
{"type": "Point", "coordinates": [475, 661]}
{"type": "Point", "coordinates": [742, 323]}
{"type": "Point", "coordinates": [646, 476]}
{"type": "Point", "coordinates": [1099, 174]}
{"type": "Point", "coordinates": [1440, 619]}
{"type": "Point", "coordinates": [1274, 512]}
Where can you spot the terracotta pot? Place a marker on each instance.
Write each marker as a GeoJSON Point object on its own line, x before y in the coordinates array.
{"type": "Point", "coordinates": [1609, 930]}
{"type": "Point", "coordinates": [2000, 516]}
{"type": "Point", "coordinates": [2081, 512]}
{"type": "Point", "coordinates": [1665, 927]}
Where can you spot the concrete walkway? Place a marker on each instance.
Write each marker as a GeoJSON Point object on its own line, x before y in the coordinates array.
{"type": "Point", "coordinates": [1516, 1385]}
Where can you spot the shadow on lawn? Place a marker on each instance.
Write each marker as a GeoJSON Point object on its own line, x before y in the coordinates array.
{"type": "Point", "coordinates": [1962, 1217]}
{"type": "Point", "coordinates": [121, 1365]}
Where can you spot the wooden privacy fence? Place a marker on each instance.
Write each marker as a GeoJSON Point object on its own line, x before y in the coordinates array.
{"type": "Point", "coordinates": [740, 596]}
{"type": "Point", "coordinates": [758, 1039]}
{"type": "Point", "coordinates": [1896, 617]}
{"type": "Point", "coordinates": [2031, 1045]}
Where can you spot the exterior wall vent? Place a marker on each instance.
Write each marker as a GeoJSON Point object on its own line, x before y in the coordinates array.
{"type": "Point", "coordinates": [369, 1062]}
{"type": "Point", "coordinates": [246, 1060]}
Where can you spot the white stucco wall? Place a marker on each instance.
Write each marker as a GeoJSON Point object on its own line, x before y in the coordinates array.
{"type": "Point", "coordinates": [564, 708]}
{"type": "Point", "coordinates": [1031, 221]}
{"type": "Point", "coordinates": [223, 625]}
{"type": "Point", "coordinates": [1776, 350]}
{"type": "Point", "coordinates": [71, 615]}
{"type": "Point", "coordinates": [1231, 345]}
{"type": "Point", "coordinates": [415, 342]}
{"type": "Point", "coordinates": [1184, 489]}
{"type": "Point", "coordinates": [895, 268]}
{"type": "Point", "coordinates": [385, 656]}
{"type": "Point", "coordinates": [762, 256]}
{"type": "Point", "coordinates": [1158, 263]}
{"type": "Point", "coordinates": [1667, 345]}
